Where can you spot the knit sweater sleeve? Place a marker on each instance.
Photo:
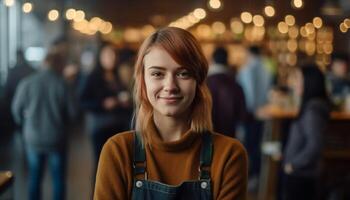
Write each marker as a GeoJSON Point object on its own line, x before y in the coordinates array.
{"type": "Point", "coordinates": [113, 178]}
{"type": "Point", "coordinates": [233, 181]}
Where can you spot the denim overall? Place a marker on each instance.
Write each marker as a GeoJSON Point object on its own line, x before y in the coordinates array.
{"type": "Point", "coordinates": [193, 189]}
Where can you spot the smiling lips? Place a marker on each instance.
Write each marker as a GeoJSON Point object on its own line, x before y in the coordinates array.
{"type": "Point", "coordinates": [171, 100]}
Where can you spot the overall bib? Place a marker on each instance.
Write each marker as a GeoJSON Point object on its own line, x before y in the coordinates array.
{"type": "Point", "coordinates": [193, 189]}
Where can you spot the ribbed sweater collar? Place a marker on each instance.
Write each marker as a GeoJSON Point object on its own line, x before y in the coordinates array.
{"type": "Point", "coordinates": [184, 142]}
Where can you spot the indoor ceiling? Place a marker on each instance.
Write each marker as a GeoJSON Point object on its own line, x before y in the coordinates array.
{"type": "Point", "coordinates": [161, 12]}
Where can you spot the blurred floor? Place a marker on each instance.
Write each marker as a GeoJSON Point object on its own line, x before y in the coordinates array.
{"type": "Point", "coordinates": [79, 178]}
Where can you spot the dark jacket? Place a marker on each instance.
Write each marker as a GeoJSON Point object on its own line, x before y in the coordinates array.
{"type": "Point", "coordinates": [304, 145]}
{"type": "Point", "coordinates": [228, 100]}
{"type": "Point", "coordinates": [93, 93]}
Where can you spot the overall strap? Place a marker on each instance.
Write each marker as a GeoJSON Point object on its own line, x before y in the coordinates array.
{"type": "Point", "coordinates": [139, 160]}
{"type": "Point", "coordinates": [206, 156]}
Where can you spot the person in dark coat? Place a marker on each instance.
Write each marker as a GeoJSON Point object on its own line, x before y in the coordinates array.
{"type": "Point", "coordinates": [228, 99]}
{"type": "Point", "coordinates": [304, 144]}
{"type": "Point", "coordinates": [107, 101]}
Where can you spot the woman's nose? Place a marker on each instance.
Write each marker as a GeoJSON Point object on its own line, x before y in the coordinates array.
{"type": "Point", "coordinates": [170, 84]}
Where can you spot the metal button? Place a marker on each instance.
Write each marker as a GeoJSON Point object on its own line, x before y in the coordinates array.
{"type": "Point", "coordinates": [204, 185]}
{"type": "Point", "coordinates": [139, 184]}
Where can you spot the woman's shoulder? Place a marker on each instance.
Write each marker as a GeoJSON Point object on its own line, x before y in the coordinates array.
{"type": "Point", "coordinates": [126, 136]}
{"type": "Point", "coordinates": [122, 141]}
{"type": "Point", "coordinates": [224, 143]}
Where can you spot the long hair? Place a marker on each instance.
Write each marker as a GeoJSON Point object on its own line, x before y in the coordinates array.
{"type": "Point", "coordinates": [314, 85]}
{"type": "Point", "coordinates": [185, 50]}
{"type": "Point", "coordinates": [98, 70]}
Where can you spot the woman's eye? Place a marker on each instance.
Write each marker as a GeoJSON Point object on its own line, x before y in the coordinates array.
{"type": "Point", "coordinates": [184, 74]}
{"type": "Point", "coordinates": [156, 74]}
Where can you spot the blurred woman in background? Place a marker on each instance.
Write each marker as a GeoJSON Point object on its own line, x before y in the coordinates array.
{"type": "Point", "coordinates": [304, 145]}
{"type": "Point", "coordinates": [106, 100]}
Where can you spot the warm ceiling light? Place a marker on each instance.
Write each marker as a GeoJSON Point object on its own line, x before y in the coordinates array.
{"type": "Point", "coordinates": [79, 16]}
{"type": "Point", "coordinates": [310, 29]}
{"type": "Point", "coordinates": [53, 15]}
{"type": "Point", "coordinates": [70, 14]}
{"type": "Point", "coordinates": [297, 3]}
{"type": "Point", "coordinates": [347, 23]}
{"type": "Point", "coordinates": [215, 4]}
{"type": "Point", "coordinates": [303, 31]}
{"type": "Point", "coordinates": [269, 11]}
{"type": "Point", "coordinates": [237, 26]}
{"type": "Point", "coordinates": [343, 28]}
{"type": "Point", "coordinates": [199, 13]}
{"type": "Point", "coordinates": [282, 27]}
{"type": "Point", "coordinates": [107, 28]}
{"type": "Point", "coordinates": [258, 20]}
{"type": "Point", "coordinates": [218, 27]}
{"type": "Point", "coordinates": [246, 17]}
{"type": "Point", "coordinates": [293, 32]}
{"type": "Point", "coordinates": [9, 3]}
{"type": "Point", "coordinates": [27, 7]}
{"type": "Point", "coordinates": [317, 21]}
{"type": "Point", "coordinates": [290, 20]}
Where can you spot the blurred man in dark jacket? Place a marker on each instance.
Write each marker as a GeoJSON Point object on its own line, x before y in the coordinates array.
{"type": "Point", "coordinates": [228, 98]}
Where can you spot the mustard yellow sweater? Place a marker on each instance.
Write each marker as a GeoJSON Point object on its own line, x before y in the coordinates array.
{"type": "Point", "coordinates": [172, 163]}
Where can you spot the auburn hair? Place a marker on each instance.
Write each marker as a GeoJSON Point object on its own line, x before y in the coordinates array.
{"type": "Point", "coordinates": [186, 51]}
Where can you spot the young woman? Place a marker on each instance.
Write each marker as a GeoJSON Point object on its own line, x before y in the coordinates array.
{"type": "Point", "coordinates": [304, 145]}
{"type": "Point", "coordinates": [173, 153]}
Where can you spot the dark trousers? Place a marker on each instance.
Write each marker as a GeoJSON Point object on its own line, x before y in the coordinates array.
{"type": "Point", "coordinates": [299, 188]}
{"type": "Point", "coordinates": [252, 141]}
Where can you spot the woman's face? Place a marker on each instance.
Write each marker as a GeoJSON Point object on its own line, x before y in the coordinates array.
{"type": "Point", "coordinates": [108, 58]}
{"type": "Point", "coordinates": [298, 83]}
{"type": "Point", "coordinates": [170, 87]}
{"type": "Point", "coordinates": [339, 68]}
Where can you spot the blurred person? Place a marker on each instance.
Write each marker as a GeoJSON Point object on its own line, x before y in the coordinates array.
{"type": "Point", "coordinates": [126, 61]}
{"type": "Point", "coordinates": [228, 99]}
{"type": "Point", "coordinates": [44, 106]}
{"type": "Point", "coordinates": [21, 70]}
{"type": "Point", "coordinates": [304, 145]}
{"type": "Point", "coordinates": [338, 77]}
{"type": "Point", "coordinates": [107, 102]}
{"type": "Point", "coordinates": [173, 152]}
{"type": "Point", "coordinates": [256, 82]}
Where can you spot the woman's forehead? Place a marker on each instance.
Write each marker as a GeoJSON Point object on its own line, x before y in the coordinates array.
{"type": "Point", "coordinates": [158, 57]}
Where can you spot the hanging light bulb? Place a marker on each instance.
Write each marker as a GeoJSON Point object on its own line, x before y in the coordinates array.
{"type": "Point", "coordinates": [27, 7]}
{"type": "Point", "coordinates": [53, 15]}
{"type": "Point", "coordinates": [297, 4]}
{"type": "Point", "coordinates": [269, 11]}
{"type": "Point", "coordinates": [9, 3]}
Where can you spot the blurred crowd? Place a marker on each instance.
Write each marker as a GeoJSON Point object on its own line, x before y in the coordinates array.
{"type": "Point", "coordinates": [44, 103]}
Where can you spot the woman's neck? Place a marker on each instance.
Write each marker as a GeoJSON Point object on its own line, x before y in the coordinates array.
{"type": "Point", "coordinates": [170, 128]}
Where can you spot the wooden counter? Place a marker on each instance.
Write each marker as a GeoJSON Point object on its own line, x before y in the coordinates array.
{"type": "Point", "coordinates": [337, 145]}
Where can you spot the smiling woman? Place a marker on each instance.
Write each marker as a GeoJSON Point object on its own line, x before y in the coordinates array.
{"type": "Point", "coordinates": [173, 152]}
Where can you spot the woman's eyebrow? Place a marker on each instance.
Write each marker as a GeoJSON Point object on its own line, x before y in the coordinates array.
{"type": "Point", "coordinates": [156, 67]}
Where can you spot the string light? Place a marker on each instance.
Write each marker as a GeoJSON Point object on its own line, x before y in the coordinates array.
{"type": "Point", "coordinates": [317, 21]}
{"type": "Point", "coordinates": [297, 4]}
{"type": "Point", "coordinates": [70, 14]}
{"type": "Point", "coordinates": [214, 4]}
{"type": "Point", "coordinates": [246, 17]}
{"type": "Point", "coordinates": [269, 11]}
{"type": "Point", "coordinates": [27, 7]}
{"type": "Point", "coordinates": [9, 3]}
{"type": "Point", "coordinates": [53, 15]}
